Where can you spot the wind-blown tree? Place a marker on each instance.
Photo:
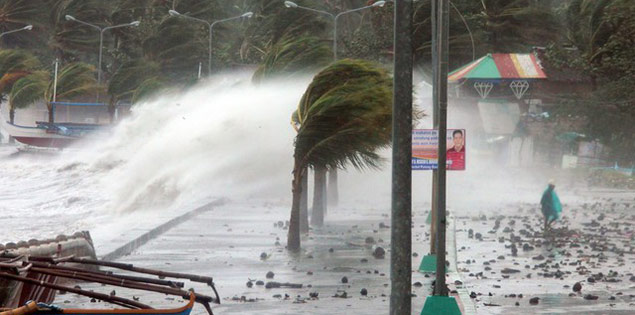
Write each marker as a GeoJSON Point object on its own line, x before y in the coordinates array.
{"type": "Point", "coordinates": [601, 33]}
{"type": "Point", "coordinates": [294, 56]}
{"type": "Point", "coordinates": [74, 80]}
{"type": "Point", "coordinates": [132, 81]}
{"type": "Point", "coordinates": [14, 65]}
{"type": "Point", "coordinates": [345, 117]}
{"type": "Point", "coordinates": [15, 14]}
{"type": "Point", "coordinates": [27, 90]}
{"type": "Point", "coordinates": [71, 40]}
{"type": "Point", "coordinates": [589, 27]}
{"type": "Point", "coordinates": [512, 26]}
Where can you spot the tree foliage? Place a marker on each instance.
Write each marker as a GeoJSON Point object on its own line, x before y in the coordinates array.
{"type": "Point", "coordinates": [345, 117]}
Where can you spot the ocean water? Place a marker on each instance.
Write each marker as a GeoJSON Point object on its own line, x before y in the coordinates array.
{"type": "Point", "coordinates": [223, 138]}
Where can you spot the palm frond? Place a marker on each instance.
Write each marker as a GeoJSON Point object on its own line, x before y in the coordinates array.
{"type": "Point", "coordinates": [345, 116]}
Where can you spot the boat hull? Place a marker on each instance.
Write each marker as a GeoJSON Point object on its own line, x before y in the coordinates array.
{"type": "Point", "coordinates": [38, 137]}
{"type": "Point", "coordinates": [43, 142]}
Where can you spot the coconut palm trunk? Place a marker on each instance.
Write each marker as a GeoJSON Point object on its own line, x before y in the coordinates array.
{"type": "Point", "coordinates": [293, 238]}
{"type": "Point", "coordinates": [319, 197]}
{"type": "Point", "coordinates": [51, 113]}
{"type": "Point", "coordinates": [333, 193]}
{"type": "Point", "coordinates": [304, 203]}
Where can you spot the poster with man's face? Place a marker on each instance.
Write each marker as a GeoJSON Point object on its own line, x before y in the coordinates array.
{"type": "Point", "coordinates": [424, 149]}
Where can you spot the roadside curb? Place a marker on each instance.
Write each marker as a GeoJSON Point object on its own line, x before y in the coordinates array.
{"type": "Point", "coordinates": [469, 308]}
{"type": "Point", "coordinates": [129, 247]}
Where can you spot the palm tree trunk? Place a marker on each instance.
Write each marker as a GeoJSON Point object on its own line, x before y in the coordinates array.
{"type": "Point", "coordinates": [304, 203]}
{"type": "Point", "coordinates": [11, 115]}
{"type": "Point", "coordinates": [293, 238]}
{"type": "Point", "coordinates": [51, 114]}
{"type": "Point", "coordinates": [333, 194]}
{"type": "Point", "coordinates": [319, 198]}
{"type": "Point", "coordinates": [111, 110]}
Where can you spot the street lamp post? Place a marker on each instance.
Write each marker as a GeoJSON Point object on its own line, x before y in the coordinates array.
{"type": "Point", "coordinates": [26, 28]}
{"type": "Point", "coordinates": [293, 5]}
{"type": "Point", "coordinates": [101, 38]}
{"type": "Point", "coordinates": [211, 29]}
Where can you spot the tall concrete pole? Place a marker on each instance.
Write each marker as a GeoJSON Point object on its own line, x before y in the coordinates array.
{"type": "Point", "coordinates": [401, 234]}
{"type": "Point", "coordinates": [435, 126]}
{"type": "Point", "coordinates": [442, 82]}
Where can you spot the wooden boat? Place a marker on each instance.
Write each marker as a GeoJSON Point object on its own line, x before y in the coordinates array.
{"type": "Point", "coordinates": [16, 268]}
{"type": "Point", "coordinates": [53, 134]}
{"type": "Point", "coordinates": [44, 309]}
{"type": "Point", "coordinates": [15, 293]}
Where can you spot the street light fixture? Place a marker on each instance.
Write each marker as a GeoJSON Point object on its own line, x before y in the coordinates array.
{"type": "Point", "coordinates": [293, 5]}
{"type": "Point", "coordinates": [245, 15]}
{"type": "Point", "coordinates": [101, 39]}
{"type": "Point", "coordinates": [26, 28]}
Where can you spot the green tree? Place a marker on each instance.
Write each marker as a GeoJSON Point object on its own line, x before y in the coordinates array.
{"type": "Point", "coordinates": [74, 80]}
{"type": "Point", "coordinates": [14, 65]}
{"type": "Point", "coordinates": [344, 116]}
{"type": "Point", "coordinates": [292, 56]}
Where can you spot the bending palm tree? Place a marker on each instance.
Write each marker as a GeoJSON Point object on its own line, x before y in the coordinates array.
{"type": "Point", "coordinates": [14, 65]}
{"type": "Point", "coordinates": [75, 79]}
{"type": "Point", "coordinates": [344, 117]}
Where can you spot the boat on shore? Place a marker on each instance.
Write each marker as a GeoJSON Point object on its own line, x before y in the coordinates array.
{"type": "Point", "coordinates": [67, 123]}
{"type": "Point", "coordinates": [33, 307]}
{"type": "Point", "coordinates": [57, 274]}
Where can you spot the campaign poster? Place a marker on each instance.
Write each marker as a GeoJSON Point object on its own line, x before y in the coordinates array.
{"type": "Point", "coordinates": [424, 149]}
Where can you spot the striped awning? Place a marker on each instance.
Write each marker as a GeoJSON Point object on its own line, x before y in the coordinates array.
{"type": "Point", "coordinates": [500, 67]}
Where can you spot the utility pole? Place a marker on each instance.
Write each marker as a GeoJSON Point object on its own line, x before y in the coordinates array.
{"type": "Point", "coordinates": [401, 233]}
{"type": "Point", "coordinates": [442, 106]}
{"type": "Point", "coordinates": [440, 303]}
{"type": "Point", "coordinates": [435, 126]}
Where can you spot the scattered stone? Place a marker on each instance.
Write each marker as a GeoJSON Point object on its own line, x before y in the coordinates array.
{"type": "Point", "coordinates": [363, 292]}
{"type": "Point", "coordinates": [250, 284]}
{"type": "Point", "coordinates": [577, 287]}
{"type": "Point", "coordinates": [344, 279]}
{"type": "Point", "coordinates": [260, 282]}
{"type": "Point", "coordinates": [539, 257]}
{"type": "Point", "coordinates": [370, 240]}
{"type": "Point", "coordinates": [379, 252]}
{"type": "Point", "coordinates": [534, 300]}
{"type": "Point", "coordinates": [270, 275]}
{"type": "Point", "coordinates": [263, 256]}
{"type": "Point", "coordinates": [591, 297]}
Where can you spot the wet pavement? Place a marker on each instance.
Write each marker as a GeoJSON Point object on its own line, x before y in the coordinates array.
{"type": "Point", "coordinates": [592, 245]}
{"type": "Point", "coordinates": [506, 255]}
{"type": "Point", "coordinates": [228, 242]}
